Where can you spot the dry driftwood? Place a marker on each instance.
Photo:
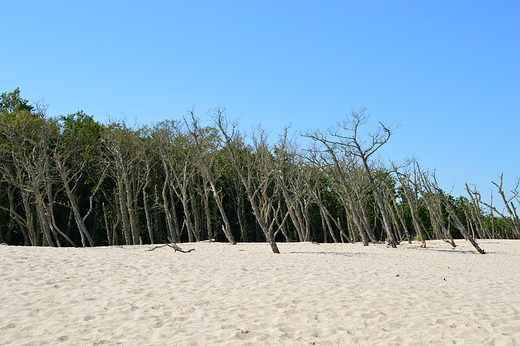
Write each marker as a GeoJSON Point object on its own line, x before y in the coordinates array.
{"type": "Point", "coordinates": [173, 245]}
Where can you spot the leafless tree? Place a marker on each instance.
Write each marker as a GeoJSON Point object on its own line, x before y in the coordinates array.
{"type": "Point", "coordinates": [27, 141]}
{"type": "Point", "coordinates": [257, 172]}
{"type": "Point", "coordinates": [433, 198]}
{"type": "Point", "coordinates": [337, 162]}
{"type": "Point", "coordinates": [344, 139]}
{"type": "Point", "coordinates": [476, 215]}
{"type": "Point", "coordinates": [409, 182]}
{"type": "Point", "coordinates": [70, 165]}
{"type": "Point", "coordinates": [315, 190]}
{"type": "Point", "coordinates": [164, 133]}
{"type": "Point", "coordinates": [290, 180]}
{"type": "Point", "coordinates": [121, 157]}
{"type": "Point", "coordinates": [390, 197]}
{"type": "Point", "coordinates": [513, 220]}
{"type": "Point", "coordinates": [358, 149]}
{"type": "Point", "coordinates": [453, 215]}
{"type": "Point", "coordinates": [206, 147]}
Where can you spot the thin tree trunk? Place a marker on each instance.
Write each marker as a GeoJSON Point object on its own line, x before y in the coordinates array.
{"type": "Point", "coordinates": [123, 210]}
{"type": "Point", "coordinates": [461, 227]}
{"type": "Point", "coordinates": [227, 226]}
{"type": "Point", "coordinates": [147, 215]}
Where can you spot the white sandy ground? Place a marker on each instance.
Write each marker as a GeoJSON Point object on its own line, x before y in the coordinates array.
{"type": "Point", "coordinates": [219, 294]}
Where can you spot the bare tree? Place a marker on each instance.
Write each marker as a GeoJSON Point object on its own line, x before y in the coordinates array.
{"type": "Point", "coordinates": [121, 144]}
{"type": "Point", "coordinates": [453, 215]}
{"type": "Point", "coordinates": [476, 215]}
{"type": "Point", "coordinates": [315, 190]}
{"type": "Point", "coordinates": [351, 147]}
{"type": "Point", "coordinates": [164, 134]}
{"type": "Point", "coordinates": [206, 145]}
{"type": "Point", "coordinates": [356, 146]}
{"type": "Point", "coordinates": [239, 202]}
{"type": "Point", "coordinates": [182, 170]}
{"type": "Point", "coordinates": [290, 180]}
{"type": "Point", "coordinates": [390, 196]}
{"type": "Point", "coordinates": [337, 161]}
{"type": "Point", "coordinates": [147, 152]}
{"type": "Point", "coordinates": [433, 199]}
{"type": "Point", "coordinates": [256, 170]}
{"type": "Point", "coordinates": [513, 220]}
{"type": "Point", "coordinates": [27, 138]}
{"type": "Point", "coordinates": [409, 183]}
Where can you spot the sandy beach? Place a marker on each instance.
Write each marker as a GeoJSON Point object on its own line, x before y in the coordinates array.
{"type": "Point", "coordinates": [219, 294]}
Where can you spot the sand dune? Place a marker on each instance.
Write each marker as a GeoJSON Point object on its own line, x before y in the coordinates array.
{"type": "Point", "coordinates": [327, 294]}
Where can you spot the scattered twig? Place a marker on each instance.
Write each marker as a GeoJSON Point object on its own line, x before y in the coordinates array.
{"type": "Point", "coordinates": [173, 245]}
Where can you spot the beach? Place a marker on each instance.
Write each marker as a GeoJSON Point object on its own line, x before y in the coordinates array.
{"type": "Point", "coordinates": [221, 294]}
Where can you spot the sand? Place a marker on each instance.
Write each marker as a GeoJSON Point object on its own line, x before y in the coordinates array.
{"type": "Point", "coordinates": [219, 294]}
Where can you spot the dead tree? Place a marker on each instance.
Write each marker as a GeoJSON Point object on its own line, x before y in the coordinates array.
{"type": "Point", "coordinates": [410, 193]}
{"type": "Point", "coordinates": [206, 145]}
{"type": "Point", "coordinates": [256, 170]}
{"type": "Point", "coordinates": [351, 146]}
{"type": "Point", "coordinates": [70, 168]}
{"type": "Point", "coordinates": [164, 134]}
{"type": "Point", "coordinates": [454, 216]}
{"type": "Point", "coordinates": [476, 215]}
{"type": "Point", "coordinates": [513, 220]}
{"type": "Point", "coordinates": [355, 145]}
{"type": "Point", "coordinates": [390, 195]}
{"type": "Point", "coordinates": [27, 138]}
{"type": "Point", "coordinates": [173, 245]}
{"type": "Point", "coordinates": [290, 181]}
{"type": "Point", "coordinates": [337, 163]}
{"type": "Point", "coordinates": [315, 189]}
{"type": "Point", "coordinates": [120, 156]}
{"type": "Point", "coordinates": [433, 201]}
{"type": "Point", "coordinates": [361, 190]}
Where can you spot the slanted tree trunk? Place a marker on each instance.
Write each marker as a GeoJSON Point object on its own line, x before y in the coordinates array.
{"type": "Point", "coordinates": [411, 198]}
{"type": "Point", "coordinates": [455, 218]}
{"type": "Point", "coordinates": [350, 146]}
{"type": "Point", "coordinates": [220, 206]}
{"type": "Point", "coordinates": [476, 213]}
{"type": "Point", "coordinates": [240, 208]}
{"type": "Point", "coordinates": [433, 202]}
{"type": "Point", "coordinates": [461, 227]}
{"type": "Point", "coordinates": [147, 212]}
{"type": "Point", "coordinates": [391, 195]}
{"type": "Point", "coordinates": [315, 192]}
{"type": "Point", "coordinates": [123, 204]}
{"type": "Point", "coordinates": [255, 170]}
{"type": "Point", "coordinates": [24, 224]}
{"type": "Point", "coordinates": [378, 140]}
{"type": "Point", "coordinates": [169, 212]}
{"type": "Point", "coordinates": [205, 150]}
{"type": "Point", "coordinates": [329, 156]}
{"type": "Point", "coordinates": [67, 178]}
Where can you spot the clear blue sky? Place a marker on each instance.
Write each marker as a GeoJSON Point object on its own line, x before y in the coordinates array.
{"type": "Point", "coordinates": [447, 71]}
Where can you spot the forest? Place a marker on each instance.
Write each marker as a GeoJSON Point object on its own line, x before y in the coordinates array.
{"type": "Point", "coordinates": [72, 181]}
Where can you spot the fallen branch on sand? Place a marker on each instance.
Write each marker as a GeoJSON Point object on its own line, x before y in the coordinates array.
{"type": "Point", "coordinates": [173, 245]}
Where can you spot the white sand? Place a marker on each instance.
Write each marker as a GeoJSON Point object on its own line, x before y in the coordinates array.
{"type": "Point", "coordinates": [328, 294]}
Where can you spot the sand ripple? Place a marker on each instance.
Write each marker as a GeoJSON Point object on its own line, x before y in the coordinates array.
{"type": "Point", "coordinates": [328, 294]}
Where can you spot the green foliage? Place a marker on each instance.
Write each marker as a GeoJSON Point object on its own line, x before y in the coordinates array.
{"type": "Point", "coordinates": [80, 132]}
{"type": "Point", "coordinates": [13, 103]}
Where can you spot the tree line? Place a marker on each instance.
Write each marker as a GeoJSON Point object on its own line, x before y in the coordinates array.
{"type": "Point", "coordinates": [72, 181]}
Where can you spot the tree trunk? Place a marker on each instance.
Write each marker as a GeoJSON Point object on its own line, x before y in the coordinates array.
{"type": "Point", "coordinates": [461, 227]}
{"type": "Point", "coordinates": [123, 205]}
{"type": "Point", "coordinates": [227, 226]}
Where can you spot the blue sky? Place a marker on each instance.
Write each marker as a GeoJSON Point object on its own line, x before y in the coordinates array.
{"type": "Point", "coordinates": [447, 71]}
